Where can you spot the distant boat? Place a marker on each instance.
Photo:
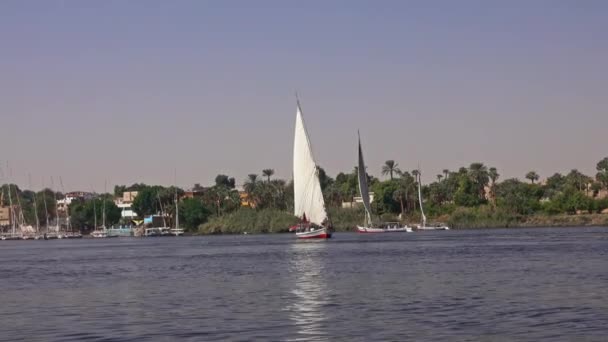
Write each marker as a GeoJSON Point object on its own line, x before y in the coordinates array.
{"type": "Point", "coordinates": [309, 204]}
{"type": "Point", "coordinates": [120, 231]}
{"type": "Point", "coordinates": [423, 225]}
{"type": "Point", "coordinates": [177, 231]}
{"type": "Point", "coordinates": [99, 234]}
{"type": "Point", "coordinates": [368, 226]}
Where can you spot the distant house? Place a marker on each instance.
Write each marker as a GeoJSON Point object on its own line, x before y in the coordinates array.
{"type": "Point", "coordinates": [5, 216]}
{"type": "Point", "coordinates": [245, 200]}
{"type": "Point", "coordinates": [357, 201]}
{"type": "Point", "coordinates": [196, 191]}
{"type": "Point", "coordinates": [64, 203]}
{"type": "Point", "coordinates": [125, 203]}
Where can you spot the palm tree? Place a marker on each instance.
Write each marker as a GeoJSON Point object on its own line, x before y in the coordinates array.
{"type": "Point", "coordinates": [250, 186]}
{"type": "Point", "coordinates": [493, 174]}
{"type": "Point", "coordinates": [532, 176]}
{"type": "Point", "coordinates": [267, 173]}
{"type": "Point", "coordinates": [398, 195]}
{"type": "Point", "coordinates": [445, 173]}
{"type": "Point", "coordinates": [389, 168]}
{"type": "Point", "coordinates": [416, 174]}
{"type": "Point", "coordinates": [439, 178]}
{"type": "Point", "coordinates": [479, 175]}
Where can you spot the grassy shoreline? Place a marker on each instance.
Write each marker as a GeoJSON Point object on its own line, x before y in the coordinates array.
{"type": "Point", "coordinates": [276, 221]}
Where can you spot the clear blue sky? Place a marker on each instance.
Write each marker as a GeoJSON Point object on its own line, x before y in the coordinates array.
{"type": "Point", "coordinates": [130, 90]}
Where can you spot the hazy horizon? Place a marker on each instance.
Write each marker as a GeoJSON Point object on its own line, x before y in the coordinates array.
{"type": "Point", "coordinates": [131, 91]}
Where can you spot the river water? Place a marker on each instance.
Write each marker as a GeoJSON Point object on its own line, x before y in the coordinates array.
{"type": "Point", "coordinates": [543, 284]}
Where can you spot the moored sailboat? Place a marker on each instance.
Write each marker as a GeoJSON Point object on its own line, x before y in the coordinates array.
{"type": "Point", "coordinates": [309, 204]}
{"type": "Point", "coordinates": [423, 225]}
{"type": "Point", "coordinates": [177, 231]}
{"type": "Point", "coordinates": [368, 226]}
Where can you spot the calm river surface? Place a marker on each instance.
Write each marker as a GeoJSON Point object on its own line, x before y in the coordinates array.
{"type": "Point", "coordinates": [481, 285]}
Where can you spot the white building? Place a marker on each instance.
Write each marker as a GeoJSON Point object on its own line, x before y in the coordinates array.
{"type": "Point", "coordinates": [125, 203]}
{"type": "Point", "coordinates": [357, 200]}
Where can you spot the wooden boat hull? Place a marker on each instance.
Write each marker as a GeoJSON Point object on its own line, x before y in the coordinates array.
{"type": "Point", "coordinates": [321, 233]}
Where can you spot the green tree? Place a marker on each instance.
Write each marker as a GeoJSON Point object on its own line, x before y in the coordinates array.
{"type": "Point", "coordinates": [147, 201]}
{"type": "Point", "coordinates": [268, 173]}
{"type": "Point", "coordinates": [493, 174]}
{"type": "Point", "coordinates": [480, 177]}
{"type": "Point", "coordinates": [407, 185]}
{"type": "Point", "coordinates": [399, 195]}
{"type": "Point", "coordinates": [532, 176]}
{"type": "Point", "coordinates": [554, 185]}
{"type": "Point", "coordinates": [136, 187]}
{"type": "Point", "coordinates": [222, 198]}
{"type": "Point", "coordinates": [384, 196]}
{"type": "Point", "coordinates": [250, 186]}
{"type": "Point", "coordinates": [602, 172]}
{"type": "Point", "coordinates": [518, 197]}
{"type": "Point", "coordinates": [193, 213]}
{"type": "Point", "coordinates": [389, 168]}
{"type": "Point", "coordinates": [119, 190]}
{"type": "Point", "coordinates": [576, 180]}
{"type": "Point", "coordinates": [83, 212]}
{"type": "Point", "coordinates": [467, 193]}
{"type": "Point", "coordinates": [324, 179]}
{"type": "Point", "coordinates": [226, 181]}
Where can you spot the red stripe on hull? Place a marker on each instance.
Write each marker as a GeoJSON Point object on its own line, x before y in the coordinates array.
{"type": "Point", "coordinates": [320, 236]}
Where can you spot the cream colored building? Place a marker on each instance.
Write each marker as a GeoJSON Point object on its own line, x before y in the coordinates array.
{"type": "Point", "coordinates": [5, 216]}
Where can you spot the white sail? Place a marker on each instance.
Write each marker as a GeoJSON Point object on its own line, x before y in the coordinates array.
{"type": "Point", "coordinates": [363, 186]}
{"type": "Point", "coordinates": [308, 198]}
{"type": "Point", "coordinates": [420, 199]}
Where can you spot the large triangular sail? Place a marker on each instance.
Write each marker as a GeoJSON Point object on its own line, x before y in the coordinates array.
{"type": "Point", "coordinates": [363, 186]}
{"type": "Point", "coordinates": [308, 198]}
{"type": "Point", "coordinates": [420, 198]}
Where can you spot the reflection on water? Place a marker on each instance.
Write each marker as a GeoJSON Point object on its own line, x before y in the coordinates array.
{"type": "Point", "coordinates": [309, 289]}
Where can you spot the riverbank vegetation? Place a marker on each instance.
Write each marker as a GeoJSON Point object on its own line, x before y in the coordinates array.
{"type": "Point", "coordinates": [469, 197]}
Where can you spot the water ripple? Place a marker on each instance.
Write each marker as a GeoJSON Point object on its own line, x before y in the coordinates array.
{"type": "Point", "coordinates": [484, 285]}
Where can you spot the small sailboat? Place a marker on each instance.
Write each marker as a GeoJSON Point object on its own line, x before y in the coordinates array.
{"type": "Point", "coordinates": [368, 226]}
{"type": "Point", "coordinates": [309, 204]}
{"type": "Point", "coordinates": [423, 225]}
{"type": "Point", "coordinates": [101, 232]}
{"type": "Point", "coordinates": [97, 233]}
{"type": "Point", "coordinates": [177, 231]}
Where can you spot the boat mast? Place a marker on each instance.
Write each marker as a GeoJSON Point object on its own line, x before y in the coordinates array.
{"type": "Point", "coordinates": [29, 180]}
{"type": "Point", "coordinates": [162, 212]}
{"type": "Point", "coordinates": [21, 217]}
{"type": "Point", "coordinates": [94, 213]}
{"type": "Point", "coordinates": [103, 216]}
{"type": "Point", "coordinates": [176, 202]}
{"type": "Point", "coordinates": [420, 198]}
{"type": "Point", "coordinates": [46, 209]}
{"type": "Point", "coordinates": [56, 207]}
{"type": "Point", "coordinates": [10, 203]}
{"type": "Point", "coordinates": [67, 208]}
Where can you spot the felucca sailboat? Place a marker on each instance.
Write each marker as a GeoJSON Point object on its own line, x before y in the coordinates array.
{"type": "Point", "coordinates": [368, 226]}
{"type": "Point", "coordinates": [309, 204]}
{"type": "Point", "coordinates": [423, 225]}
